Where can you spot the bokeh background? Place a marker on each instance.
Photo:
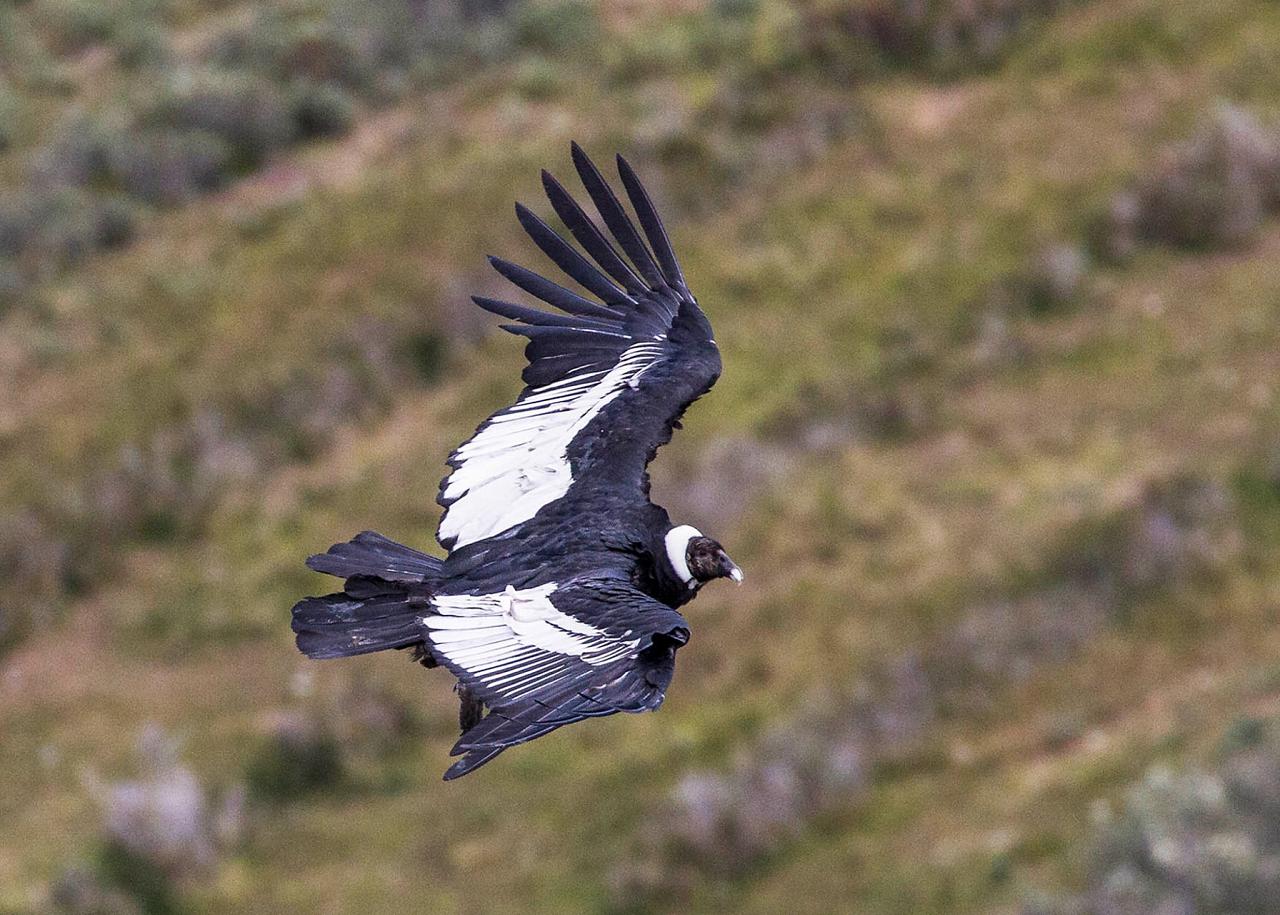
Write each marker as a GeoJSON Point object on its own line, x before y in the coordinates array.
{"type": "Point", "coordinates": [997, 284]}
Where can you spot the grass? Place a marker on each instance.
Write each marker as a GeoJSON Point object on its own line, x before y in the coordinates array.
{"type": "Point", "coordinates": [856, 274]}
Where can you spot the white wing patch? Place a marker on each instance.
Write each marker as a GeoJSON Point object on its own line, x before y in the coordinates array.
{"type": "Point", "coordinates": [518, 463]}
{"type": "Point", "coordinates": [517, 641]}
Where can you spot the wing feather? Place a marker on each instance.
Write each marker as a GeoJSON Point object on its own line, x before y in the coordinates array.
{"type": "Point", "coordinates": [562, 654]}
{"type": "Point", "coordinates": [634, 361]}
{"type": "Point", "coordinates": [652, 225]}
{"type": "Point", "coordinates": [552, 293]}
{"type": "Point", "coordinates": [615, 217]}
{"type": "Point", "coordinates": [590, 237]}
{"type": "Point", "coordinates": [569, 260]}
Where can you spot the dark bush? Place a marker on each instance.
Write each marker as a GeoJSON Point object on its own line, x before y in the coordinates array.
{"type": "Point", "coordinates": [164, 487]}
{"type": "Point", "coordinates": [816, 762]}
{"type": "Point", "coordinates": [20, 218]}
{"type": "Point", "coordinates": [10, 117]}
{"type": "Point", "coordinates": [1183, 528]}
{"type": "Point", "coordinates": [1114, 236]}
{"type": "Point", "coordinates": [726, 822]}
{"type": "Point", "coordinates": [1056, 278]}
{"type": "Point", "coordinates": [165, 168]}
{"type": "Point", "coordinates": [13, 284]}
{"type": "Point", "coordinates": [80, 153]}
{"type": "Point", "coordinates": [728, 474]}
{"type": "Point", "coordinates": [77, 24]}
{"type": "Point", "coordinates": [298, 758]}
{"type": "Point", "coordinates": [1191, 842]}
{"type": "Point", "coordinates": [944, 37]}
{"type": "Point", "coordinates": [143, 45]}
{"type": "Point", "coordinates": [321, 110]}
{"type": "Point", "coordinates": [554, 27]}
{"type": "Point", "coordinates": [1209, 192]}
{"type": "Point", "coordinates": [117, 221]}
{"type": "Point", "coordinates": [328, 55]}
{"type": "Point", "coordinates": [371, 720]}
{"type": "Point", "coordinates": [60, 226]}
{"type": "Point", "coordinates": [252, 117]}
{"type": "Point", "coordinates": [278, 48]}
{"type": "Point", "coordinates": [79, 890]}
{"type": "Point", "coordinates": [36, 563]}
{"type": "Point", "coordinates": [137, 878]}
{"type": "Point", "coordinates": [425, 353]}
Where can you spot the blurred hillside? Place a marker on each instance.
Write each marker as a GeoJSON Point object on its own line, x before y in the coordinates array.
{"type": "Point", "coordinates": [997, 286]}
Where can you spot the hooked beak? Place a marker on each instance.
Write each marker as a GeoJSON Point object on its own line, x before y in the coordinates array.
{"type": "Point", "coordinates": [735, 573]}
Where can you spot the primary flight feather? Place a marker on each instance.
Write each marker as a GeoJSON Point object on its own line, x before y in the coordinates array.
{"type": "Point", "coordinates": [558, 599]}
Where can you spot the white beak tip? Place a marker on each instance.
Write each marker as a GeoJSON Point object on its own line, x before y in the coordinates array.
{"type": "Point", "coordinates": [737, 575]}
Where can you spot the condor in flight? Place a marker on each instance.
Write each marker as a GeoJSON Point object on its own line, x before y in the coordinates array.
{"type": "Point", "coordinates": [558, 599]}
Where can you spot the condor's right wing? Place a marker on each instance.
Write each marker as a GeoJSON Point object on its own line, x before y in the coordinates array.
{"type": "Point", "coordinates": [543, 657]}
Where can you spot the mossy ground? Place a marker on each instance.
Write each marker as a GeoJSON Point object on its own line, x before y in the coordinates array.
{"type": "Point", "coordinates": [857, 273]}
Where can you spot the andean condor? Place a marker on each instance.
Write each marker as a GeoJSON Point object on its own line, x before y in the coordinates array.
{"type": "Point", "coordinates": [558, 598]}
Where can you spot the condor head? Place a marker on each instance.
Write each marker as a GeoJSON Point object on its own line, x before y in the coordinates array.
{"type": "Point", "coordinates": [697, 559]}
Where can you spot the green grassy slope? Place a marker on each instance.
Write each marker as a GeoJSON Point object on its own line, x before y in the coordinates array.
{"type": "Point", "coordinates": [271, 368]}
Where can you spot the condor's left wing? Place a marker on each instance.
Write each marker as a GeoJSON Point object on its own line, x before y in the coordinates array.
{"type": "Point", "coordinates": [607, 380]}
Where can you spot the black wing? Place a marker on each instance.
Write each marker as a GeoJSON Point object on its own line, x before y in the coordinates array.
{"type": "Point", "coordinates": [544, 657]}
{"type": "Point", "coordinates": [607, 380]}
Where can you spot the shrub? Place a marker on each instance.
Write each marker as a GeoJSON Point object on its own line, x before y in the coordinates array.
{"type": "Point", "coordinates": [138, 878]}
{"type": "Point", "coordinates": [116, 220]}
{"type": "Point", "coordinates": [276, 47]}
{"type": "Point", "coordinates": [551, 27]}
{"type": "Point", "coordinates": [160, 831]}
{"type": "Point", "coordinates": [1056, 278]}
{"type": "Point", "coordinates": [143, 45]}
{"type": "Point", "coordinates": [1208, 192]}
{"type": "Point", "coordinates": [165, 167]}
{"type": "Point", "coordinates": [61, 226]}
{"type": "Point", "coordinates": [321, 110]}
{"type": "Point", "coordinates": [12, 284]}
{"type": "Point", "coordinates": [1184, 527]}
{"type": "Point", "coordinates": [426, 353]}
{"type": "Point", "coordinates": [372, 720]}
{"type": "Point", "coordinates": [36, 564]}
{"type": "Point", "coordinates": [163, 487]}
{"type": "Point", "coordinates": [819, 761]}
{"type": "Point", "coordinates": [947, 37]}
{"type": "Point", "coordinates": [10, 117]}
{"type": "Point", "coordinates": [299, 757]}
{"type": "Point", "coordinates": [77, 24]}
{"type": "Point", "coordinates": [252, 117]}
{"type": "Point", "coordinates": [19, 219]}
{"type": "Point", "coordinates": [1195, 841]}
{"type": "Point", "coordinates": [80, 153]}
{"type": "Point", "coordinates": [80, 891]}
{"type": "Point", "coordinates": [162, 818]}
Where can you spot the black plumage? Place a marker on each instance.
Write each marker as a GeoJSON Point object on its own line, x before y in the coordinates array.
{"type": "Point", "coordinates": [558, 600]}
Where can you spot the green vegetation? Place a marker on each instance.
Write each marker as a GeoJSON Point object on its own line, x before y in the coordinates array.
{"type": "Point", "coordinates": [997, 290]}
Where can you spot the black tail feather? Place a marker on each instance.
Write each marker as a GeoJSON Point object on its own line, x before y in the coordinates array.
{"type": "Point", "coordinates": [376, 556]}
{"type": "Point", "coordinates": [338, 625]}
{"type": "Point", "coordinates": [387, 589]}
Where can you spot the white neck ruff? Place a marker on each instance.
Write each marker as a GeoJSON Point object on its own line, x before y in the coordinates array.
{"type": "Point", "coordinates": [677, 543]}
